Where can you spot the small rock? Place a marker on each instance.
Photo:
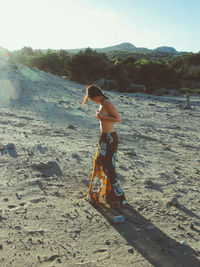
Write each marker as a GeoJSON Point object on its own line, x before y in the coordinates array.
{"type": "Point", "coordinates": [148, 182]}
{"type": "Point", "coordinates": [180, 227]}
{"type": "Point", "coordinates": [195, 222]}
{"type": "Point", "coordinates": [100, 250]}
{"type": "Point", "coordinates": [10, 146]}
{"type": "Point", "coordinates": [176, 172]}
{"type": "Point", "coordinates": [130, 250]}
{"type": "Point", "coordinates": [25, 134]}
{"type": "Point", "coordinates": [12, 206]}
{"type": "Point", "coordinates": [70, 126]}
{"type": "Point", "coordinates": [41, 231]}
{"type": "Point", "coordinates": [22, 204]}
{"type": "Point", "coordinates": [107, 243]}
{"type": "Point", "coordinates": [56, 194]}
{"type": "Point", "coordinates": [37, 200]}
{"type": "Point", "coordinates": [131, 154]}
{"type": "Point", "coordinates": [192, 226]}
{"type": "Point", "coordinates": [184, 243]}
{"type": "Point", "coordinates": [173, 202]}
{"type": "Point", "coordinates": [18, 196]}
{"type": "Point", "coordinates": [166, 148]}
{"type": "Point", "coordinates": [11, 150]}
{"type": "Point", "coordinates": [53, 257]}
{"type": "Point", "coordinates": [18, 227]}
{"type": "Point", "coordinates": [189, 234]}
{"type": "Point", "coordinates": [1, 247]}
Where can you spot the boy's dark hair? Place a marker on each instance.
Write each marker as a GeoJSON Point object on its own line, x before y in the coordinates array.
{"type": "Point", "coordinates": [92, 91]}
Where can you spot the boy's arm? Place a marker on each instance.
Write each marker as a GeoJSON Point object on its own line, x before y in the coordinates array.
{"type": "Point", "coordinates": [113, 114]}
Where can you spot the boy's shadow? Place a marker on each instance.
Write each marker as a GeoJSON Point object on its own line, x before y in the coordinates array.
{"type": "Point", "coordinates": [153, 244]}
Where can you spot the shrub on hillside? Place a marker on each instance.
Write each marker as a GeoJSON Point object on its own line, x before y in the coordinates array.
{"type": "Point", "coordinates": [197, 91]}
{"type": "Point", "coordinates": [187, 66]}
{"type": "Point", "coordinates": [154, 74]}
{"type": "Point", "coordinates": [122, 68]}
{"type": "Point", "coordinates": [88, 66]}
{"type": "Point", "coordinates": [192, 73]}
{"type": "Point", "coordinates": [184, 90]}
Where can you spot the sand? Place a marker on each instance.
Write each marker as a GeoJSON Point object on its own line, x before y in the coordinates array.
{"type": "Point", "coordinates": [47, 146]}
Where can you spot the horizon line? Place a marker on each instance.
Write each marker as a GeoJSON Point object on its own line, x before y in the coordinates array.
{"type": "Point", "coordinates": [112, 45]}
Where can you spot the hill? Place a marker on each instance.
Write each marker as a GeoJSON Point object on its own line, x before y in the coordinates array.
{"type": "Point", "coordinates": [128, 47]}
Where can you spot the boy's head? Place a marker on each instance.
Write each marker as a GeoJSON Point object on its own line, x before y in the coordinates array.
{"type": "Point", "coordinates": [92, 91]}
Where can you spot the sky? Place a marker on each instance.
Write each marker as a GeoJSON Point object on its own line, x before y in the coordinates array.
{"type": "Point", "coordinates": [68, 24]}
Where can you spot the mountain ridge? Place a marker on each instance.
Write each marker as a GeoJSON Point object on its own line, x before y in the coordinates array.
{"type": "Point", "coordinates": [129, 47]}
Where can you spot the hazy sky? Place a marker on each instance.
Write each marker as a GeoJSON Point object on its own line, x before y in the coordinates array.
{"type": "Point", "coordinates": [64, 24]}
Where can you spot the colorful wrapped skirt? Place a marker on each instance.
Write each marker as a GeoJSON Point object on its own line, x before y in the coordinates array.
{"type": "Point", "coordinates": [104, 182]}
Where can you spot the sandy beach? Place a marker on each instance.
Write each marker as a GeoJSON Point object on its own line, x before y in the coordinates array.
{"type": "Point", "coordinates": [47, 146]}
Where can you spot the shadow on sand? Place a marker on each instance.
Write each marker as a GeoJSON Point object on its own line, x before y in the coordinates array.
{"type": "Point", "coordinates": [9, 149]}
{"type": "Point", "coordinates": [187, 211]}
{"type": "Point", "coordinates": [153, 244]}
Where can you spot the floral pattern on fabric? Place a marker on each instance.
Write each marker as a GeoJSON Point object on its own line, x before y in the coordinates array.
{"type": "Point", "coordinates": [110, 138]}
{"type": "Point", "coordinates": [102, 149]}
{"type": "Point", "coordinates": [114, 159]}
{"type": "Point", "coordinates": [103, 180]}
{"type": "Point", "coordinates": [96, 184]}
{"type": "Point", "coordinates": [117, 188]}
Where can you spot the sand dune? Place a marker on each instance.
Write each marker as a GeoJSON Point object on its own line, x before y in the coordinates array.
{"type": "Point", "coordinates": [47, 146]}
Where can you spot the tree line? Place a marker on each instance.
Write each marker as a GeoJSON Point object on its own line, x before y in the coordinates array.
{"type": "Point", "coordinates": [89, 66]}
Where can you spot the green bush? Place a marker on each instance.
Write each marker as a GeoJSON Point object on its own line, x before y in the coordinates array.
{"type": "Point", "coordinates": [88, 66]}
{"type": "Point", "coordinates": [197, 91]}
{"type": "Point", "coordinates": [52, 61]}
{"type": "Point", "coordinates": [124, 68]}
{"type": "Point", "coordinates": [184, 90]}
{"type": "Point", "coordinates": [192, 73]}
{"type": "Point", "coordinates": [187, 66]}
{"type": "Point", "coordinates": [154, 74]}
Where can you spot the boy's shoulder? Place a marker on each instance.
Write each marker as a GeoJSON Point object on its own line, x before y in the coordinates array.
{"type": "Point", "coordinates": [107, 102]}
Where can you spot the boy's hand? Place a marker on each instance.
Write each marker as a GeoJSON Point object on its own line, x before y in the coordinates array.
{"type": "Point", "coordinates": [98, 115]}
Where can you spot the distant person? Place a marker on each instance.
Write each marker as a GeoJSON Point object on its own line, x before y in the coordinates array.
{"type": "Point", "coordinates": [104, 181]}
{"type": "Point", "coordinates": [187, 101]}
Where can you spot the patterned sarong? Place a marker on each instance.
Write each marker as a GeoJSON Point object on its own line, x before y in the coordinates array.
{"type": "Point", "coordinates": [104, 181]}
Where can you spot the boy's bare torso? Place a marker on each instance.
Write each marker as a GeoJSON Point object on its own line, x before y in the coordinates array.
{"type": "Point", "coordinates": [105, 126]}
